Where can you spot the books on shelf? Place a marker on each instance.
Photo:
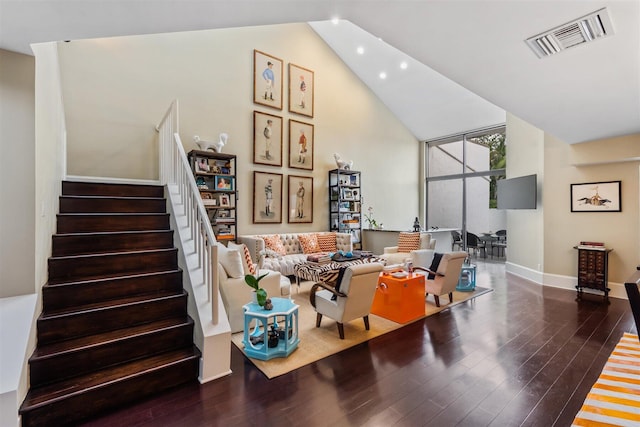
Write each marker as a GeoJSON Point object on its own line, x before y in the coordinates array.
{"type": "Point", "coordinates": [592, 247]}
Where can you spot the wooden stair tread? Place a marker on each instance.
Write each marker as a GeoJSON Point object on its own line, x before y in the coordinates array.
{"type": "Point", "coordinates": [99, 279]}
{"type": "Point", "coordinates": [101, 197]}
{"type": "Point", "coordinates": [111, 214]}
{"type": "Point", "coordinates": [48, 394]}
{"type": "Point", "coordinates": [105, 305]}
{"type": "Point", "coordinates": [106, 254]}
{"type": "Point", "coordinates": [77, 344]}
{"type": "Point", "coordinates": [112, 233]}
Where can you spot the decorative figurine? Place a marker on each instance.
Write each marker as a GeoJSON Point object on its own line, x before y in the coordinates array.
{"type": "Point", "coordinates": [416, 225]}
{"type": "Point", "coordinates": [342, 164]}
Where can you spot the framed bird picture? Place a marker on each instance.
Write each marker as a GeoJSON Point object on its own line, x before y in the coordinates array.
{"type": "Point", "coordinates": [596, 197]}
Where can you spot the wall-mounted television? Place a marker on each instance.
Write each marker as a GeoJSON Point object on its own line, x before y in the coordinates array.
{"type": "Point", "coordinates": [518, 193]}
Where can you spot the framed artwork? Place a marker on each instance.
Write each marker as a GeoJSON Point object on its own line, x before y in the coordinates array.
{"type": "Point", "coordinates": [267, 80]}
{"type": "Point", "coordinates": [224, 200]}
{"type": "Point", "coordinates": [300, 145]}
{"type": "Point", "coordinates": [202, 165]}
{"type": "Point", "coordinates": [301, 90]}
{"type": "Point", "coordinates": [300, 199]}
{"type": "Point", "coordinates": [347, 194]}
{"type": "Point", "coordinates": [224, 183]}
{"type": "Point", "coordinates": [596, 197]}
{"type": "Point", "coordinates": [267, 139]}
{"type": "Point", "coordinates": [267, 198]}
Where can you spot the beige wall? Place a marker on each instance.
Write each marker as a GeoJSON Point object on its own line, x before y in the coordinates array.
{"type": "Point", "coordinates": [49, 153]}
{"type": "Point", "coordinates": [525, 156]}
{"type": "Point", "coordinates": [564, 229]}
{"type": "Point", "coordinates": [17, 178]}
{"type": "Point", "coordinates": [116, 91]}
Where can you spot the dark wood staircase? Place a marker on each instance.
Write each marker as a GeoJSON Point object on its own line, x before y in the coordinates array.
{"type": "Point", "coordinates": [114, 327]}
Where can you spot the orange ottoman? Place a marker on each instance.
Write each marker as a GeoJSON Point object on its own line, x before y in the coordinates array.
{"type": "Point", "coordinates": [399, 299]}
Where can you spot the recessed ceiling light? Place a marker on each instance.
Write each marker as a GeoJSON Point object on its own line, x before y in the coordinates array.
{"type": "Point", "coordinates": [383, 75]}
{"type": "Point", "coordinates": [360, 50]}
{"type": "Point", "coordinates": [335, 21]}
{"type": "Point", "coordinates": [403, 65]}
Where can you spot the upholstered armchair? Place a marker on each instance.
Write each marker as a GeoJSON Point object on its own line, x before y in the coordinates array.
{"type": "Point", "coordinates": [416, 247]}
{"type": "Point", "coordinates": [350, 299]}
{"type": "Point", "coordinates": [443, 281]}
{"type": "Point", "coordinates": [232, 267]}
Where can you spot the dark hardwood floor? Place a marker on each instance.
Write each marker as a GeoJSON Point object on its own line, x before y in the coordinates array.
{"type": "Point", "coordinates": [523, 355]}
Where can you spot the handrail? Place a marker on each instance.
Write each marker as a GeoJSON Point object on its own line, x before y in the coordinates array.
{"type": "Point", "coordinates": [175, 170]}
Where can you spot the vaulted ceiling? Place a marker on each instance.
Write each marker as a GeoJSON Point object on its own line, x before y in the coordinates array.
{"type": "Point", "coordinates": [466, 61]}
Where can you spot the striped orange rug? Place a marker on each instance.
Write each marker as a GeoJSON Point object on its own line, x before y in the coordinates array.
{"type": "Point", "coordinates": [614, 399]}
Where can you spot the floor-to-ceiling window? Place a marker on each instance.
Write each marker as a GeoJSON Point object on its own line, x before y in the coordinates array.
{"type": "Point", "coordinates": [462, 171]}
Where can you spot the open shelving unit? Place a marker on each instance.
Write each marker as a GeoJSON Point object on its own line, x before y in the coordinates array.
{"type": "Point", "coordinates": [215, 175]}
{"type": "Point", "coordinates": [345, 209]}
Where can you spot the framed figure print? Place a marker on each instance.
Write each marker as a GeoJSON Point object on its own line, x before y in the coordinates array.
{"type": "Point", "coordinates": [301, 90]}
{"type": "Point", "coordinates": [300, 145]}
{"type": "Point", "coordinates": [267, 139]}
{"type": "Point", "coordinates": [267, 198]}
{"type": "Point", "coordinates": [596, 197]}
{"type": "Point", "coordinates": [300, 197]}
{"type": "Point", "coordinates": [267, 80]}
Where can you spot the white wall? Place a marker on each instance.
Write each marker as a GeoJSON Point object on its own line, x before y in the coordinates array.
{"type": "Point", "coordinates": [117, 89]}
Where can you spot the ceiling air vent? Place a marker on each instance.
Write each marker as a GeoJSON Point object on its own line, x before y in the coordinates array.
{"type": "Point", "coordinates": [589, 28]}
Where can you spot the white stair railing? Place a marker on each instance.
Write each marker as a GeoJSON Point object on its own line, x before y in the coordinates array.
{"type": "Point", "coordinates": [175, 171]}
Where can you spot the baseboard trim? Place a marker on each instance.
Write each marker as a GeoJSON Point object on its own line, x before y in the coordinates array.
{"type": "Point", "coordinates": [560, 281]}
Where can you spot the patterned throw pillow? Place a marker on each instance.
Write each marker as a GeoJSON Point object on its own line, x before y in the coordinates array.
{"type": "Point", "coordinates": [309, 243]}
{"type": "Point", "coordinates": [274, 242]}
{"type": "Point", "coordinates": [408, 242]}
{"type": "Point", "coordinates": [327, 242]}
{"type": "Point", "coordinates": [247, 262]}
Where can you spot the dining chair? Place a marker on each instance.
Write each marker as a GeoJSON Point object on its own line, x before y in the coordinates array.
{"type": "Point", "coordinates": [501, 243]}
{"type": "Point", "coordinates": [474, 242]}
{"type": "Point", "coordinates": [456, 240]}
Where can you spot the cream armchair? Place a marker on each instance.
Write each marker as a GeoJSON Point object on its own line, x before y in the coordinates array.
{"type": "Point", "coordinates": [235, 292]}
{"type": "Point", "coordinates": [446, 277]}
{"type": "Point", "coordinates": [421, 256]}
{"type": "Point", "coordinates": [353, 296]}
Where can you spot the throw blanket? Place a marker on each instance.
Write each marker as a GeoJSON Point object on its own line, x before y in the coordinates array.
{"type": "Point", "coordinates": [615, 397]}
{"type": "Point", "coordinates": [327, 273]}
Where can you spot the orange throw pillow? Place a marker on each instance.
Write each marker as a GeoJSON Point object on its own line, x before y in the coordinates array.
{"type": "Point", "coordinates": [408, 242]}
{"type": "Point", "coordinates": [309, 243]}
{"type": "Point", "coordinates": [327, 242]}
{"type": "Point", "coordinates": [274, 242]}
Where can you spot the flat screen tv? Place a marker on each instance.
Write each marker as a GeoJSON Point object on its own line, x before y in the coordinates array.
{"type": "Point", "coordinates": [517, 193]}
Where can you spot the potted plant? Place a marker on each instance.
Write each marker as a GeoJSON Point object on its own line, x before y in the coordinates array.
{"type": "Point", "coordinates": [254, 282]}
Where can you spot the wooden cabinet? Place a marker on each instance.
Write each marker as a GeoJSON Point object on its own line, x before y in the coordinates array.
{"type": "Point", "coordinates": [344, 204]}
{"type": "Point", "coordinates": [215, 175]}
{"type": "Point", "coordinates": [593, 265]}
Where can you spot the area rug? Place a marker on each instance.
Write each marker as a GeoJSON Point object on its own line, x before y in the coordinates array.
{"type": "Point", "coordinates": [318, 343]}
{"type": "Point", "coordinates": [614, 399]}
